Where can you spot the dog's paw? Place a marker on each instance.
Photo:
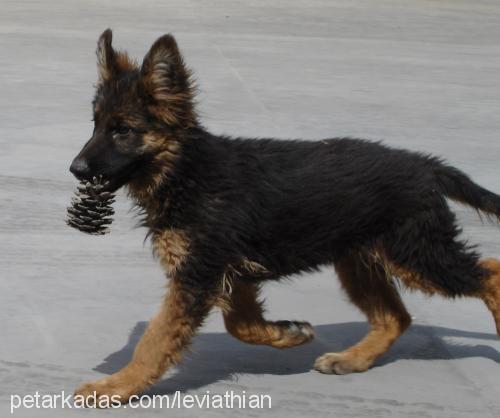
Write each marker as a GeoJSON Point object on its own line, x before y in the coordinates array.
{"type": "Point", "coordinates": [105, 393]}
{"type": "Point", "coordinates": [293, 333]}
{"type": "Point", "coordinates": [341, 363]}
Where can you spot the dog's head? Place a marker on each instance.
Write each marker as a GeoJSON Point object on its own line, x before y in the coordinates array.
{"type": "Point", "coordinates": [137, 112]}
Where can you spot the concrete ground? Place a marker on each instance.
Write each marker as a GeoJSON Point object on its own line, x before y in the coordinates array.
{"type": "Point", "coordinates": [418, 74]}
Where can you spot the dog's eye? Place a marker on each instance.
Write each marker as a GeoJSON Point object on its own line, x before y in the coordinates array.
{"type": "Point", "coordinates": [122, 130]}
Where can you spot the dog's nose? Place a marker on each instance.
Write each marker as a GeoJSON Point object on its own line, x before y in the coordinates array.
{"type": "Point", "coordinates": [80, 168]}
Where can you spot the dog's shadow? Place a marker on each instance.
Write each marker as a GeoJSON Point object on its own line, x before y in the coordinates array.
{"type": "Point", "coordinates": [218, 356]}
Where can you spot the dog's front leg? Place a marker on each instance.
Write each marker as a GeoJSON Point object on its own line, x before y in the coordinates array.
{"type": "Point", "coordinates": [167, 335]}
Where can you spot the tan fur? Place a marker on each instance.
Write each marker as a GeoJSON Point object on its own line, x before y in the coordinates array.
{"type": "Point", "coordinates": [158, 142]}
{"type": "Point", "coordinates": [490, 292]}
{"type": "Point", "coordinates": [368, 288]}
{"type": "Point", "coordinates": [167, 151]}
{"type": "Point", "coordinates": [411, 279]}
{"type": "Point", "coordinates": [124, 62]}
{"type": "Point", "coordinates": [415, 281]}
{"type": "Point", "coordinates": [252, 266]}
{"type": "Point", "coordinates": [143, 188]}
{"type": "Point", "coordinates": [167, 335]}
{"type": "Point", "coordinates": [231, 273]}
{"type": "Point", "coordinates": [244, 320]}
{"type": "Point", "coordinates": [174, 113]}
{"type": "Point", "coordinates": [110, 61]}
{"type": "Point", "coordinates": [171, 246]}
{"type": "Point", "coordinates": [103, 64]}
{"type": "Point", "coordinates": [244, 267]}
{"type": "Point", "coordinates": [175, 101]}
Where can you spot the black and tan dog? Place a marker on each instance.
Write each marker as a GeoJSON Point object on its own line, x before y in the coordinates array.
{"type": "Point", "coordinates": [227, 214]}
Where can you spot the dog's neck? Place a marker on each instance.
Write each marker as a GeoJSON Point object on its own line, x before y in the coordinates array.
{"type": "Point", "coordinates": [148, 193]}
{"type": "Point", "coordinates": [174, 184]}
{"type": "Point", "coordinates": [154, 189]}
{"type": "Point", "coordinates": [144, 192]}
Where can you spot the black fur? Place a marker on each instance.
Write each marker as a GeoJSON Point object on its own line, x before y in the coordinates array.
{"type": "Point", "coordinates": [295, 205]}
{"type": "Point", "coordinates": [225, 214]}
{"type": "Point", "coordinates": [290, 206]}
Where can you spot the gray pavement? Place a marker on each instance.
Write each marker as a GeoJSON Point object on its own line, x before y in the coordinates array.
{"type": "Point", "coordinates": [418, 74]}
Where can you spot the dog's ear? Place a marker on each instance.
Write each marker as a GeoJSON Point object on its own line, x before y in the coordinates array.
{"type": "Point", "coordinates": [106, 56]}
{"type": "Point", "coordinates": [109, 61]}
{"type": "Point", "coordinates": [167, 81]}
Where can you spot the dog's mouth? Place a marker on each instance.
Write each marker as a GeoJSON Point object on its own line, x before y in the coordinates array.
{"type": "Point", "coordinates": [117, 181]}
{"type": "Point", "coordinates": [114, 176]}
{"type": "Point", "coordinates": [113, 184]}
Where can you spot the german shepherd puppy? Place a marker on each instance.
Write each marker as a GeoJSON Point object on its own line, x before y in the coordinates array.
{"type": "Point", "coordinates": [226, 214]}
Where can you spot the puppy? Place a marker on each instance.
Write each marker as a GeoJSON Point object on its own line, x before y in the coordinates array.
{"type": "Point", "coordinates": [225, 215]}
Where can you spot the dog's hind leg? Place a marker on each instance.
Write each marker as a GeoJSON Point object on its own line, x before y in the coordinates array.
{"type": "Point", "coordinates": [490, 289]}
{"type": "Point", "coordinates": [485, 275]}
{"type": "Point", "coordinates": [369, 287]}
{"type": "Point", "coordinates": [244, 320]}
{"type": "Point", "coordinates": [429, 256]}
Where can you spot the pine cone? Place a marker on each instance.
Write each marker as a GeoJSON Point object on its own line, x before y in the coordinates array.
{"type": "Point", "coordinates": [91, 211]}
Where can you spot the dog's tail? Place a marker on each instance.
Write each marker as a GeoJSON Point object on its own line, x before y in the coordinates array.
{"type": "Point", "coordinates": [456, 185]}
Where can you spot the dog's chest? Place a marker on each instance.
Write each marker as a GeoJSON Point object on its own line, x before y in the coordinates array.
{"type": "Point", "coordinates": [171, 247]}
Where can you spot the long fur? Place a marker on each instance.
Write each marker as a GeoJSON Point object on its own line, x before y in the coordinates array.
{"type": "Point", "coordinates": [226, 214]}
